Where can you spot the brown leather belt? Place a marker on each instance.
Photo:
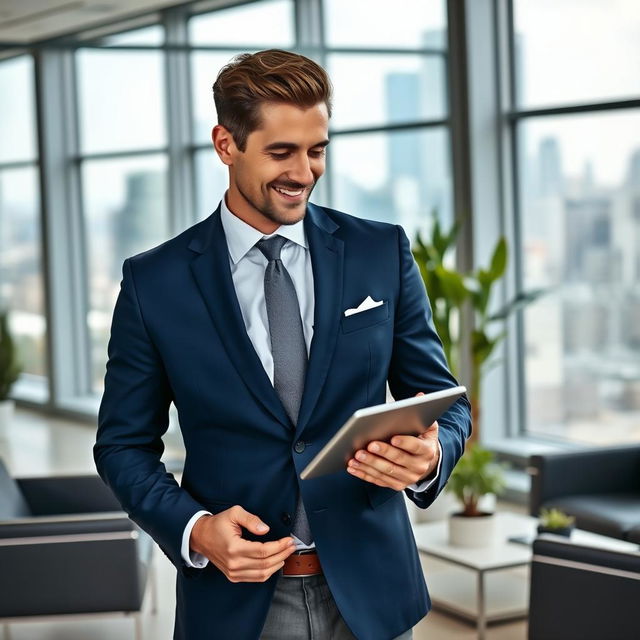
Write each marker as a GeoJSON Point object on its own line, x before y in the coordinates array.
{"type": "Point", "coordinates": [302, 563]}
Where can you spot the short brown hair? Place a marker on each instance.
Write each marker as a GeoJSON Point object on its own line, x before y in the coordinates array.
{"type": "Point", "coordinates": [251, 79]}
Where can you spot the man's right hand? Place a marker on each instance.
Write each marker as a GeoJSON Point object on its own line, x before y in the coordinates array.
{"type": "Point", "coordinates": [219, 538]}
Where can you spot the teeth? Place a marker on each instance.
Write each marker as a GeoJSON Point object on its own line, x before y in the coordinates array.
{"type": "Point", "coordinates": [289, 193]}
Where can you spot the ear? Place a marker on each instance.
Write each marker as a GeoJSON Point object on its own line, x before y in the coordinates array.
{"type": "Point", "coordinates": [224, 144]}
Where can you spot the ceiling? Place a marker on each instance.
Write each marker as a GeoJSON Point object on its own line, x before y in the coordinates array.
{"type": "Point", "coordinates": [26, 21]}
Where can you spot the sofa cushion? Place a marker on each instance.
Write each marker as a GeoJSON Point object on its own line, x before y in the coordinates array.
{"type": "Point", "coordinates": [612, 515]}
{"type": "Point", "coordinates": [12, 502]}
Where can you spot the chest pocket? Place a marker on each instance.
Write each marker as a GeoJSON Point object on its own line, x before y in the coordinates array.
{"type": "Point", "coordinates": [366, 318]}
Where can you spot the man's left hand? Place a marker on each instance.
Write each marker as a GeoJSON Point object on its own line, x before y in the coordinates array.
{"type": "Point", "coordinates": [404, 461]}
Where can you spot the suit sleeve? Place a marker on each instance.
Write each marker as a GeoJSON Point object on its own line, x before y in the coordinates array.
{"type": "Point", "coordinates": [133, 417]}
{"type": "Point", "coordinates": [418, 364]}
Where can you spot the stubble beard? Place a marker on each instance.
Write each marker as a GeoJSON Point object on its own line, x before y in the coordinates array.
{"type": "Point", "coordinates": [271, 213]}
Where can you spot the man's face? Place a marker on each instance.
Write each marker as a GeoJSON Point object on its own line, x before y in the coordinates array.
{"type": "Point", "coordinates": [271, 181]}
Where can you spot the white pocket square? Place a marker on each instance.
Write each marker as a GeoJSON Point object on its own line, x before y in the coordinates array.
{"type": "Point", "coordinates": [365, 305]}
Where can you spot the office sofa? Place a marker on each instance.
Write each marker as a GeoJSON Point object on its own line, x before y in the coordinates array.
{"type": "Point", "coordinates": [600, 487]}
{"type": "Point", "coordinates": [583, 593]}
{"type": "Point", "coordinates": [66, 547]}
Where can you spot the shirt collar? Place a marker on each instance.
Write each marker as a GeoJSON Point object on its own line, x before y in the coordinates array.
{"type": "Point", "coordinates": [241, 237]}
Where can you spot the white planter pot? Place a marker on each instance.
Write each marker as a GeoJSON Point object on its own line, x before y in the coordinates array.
{"type": "Point", "coordinates": [6, 414]}
{"type": "Point", "coordinates": [472, 532]}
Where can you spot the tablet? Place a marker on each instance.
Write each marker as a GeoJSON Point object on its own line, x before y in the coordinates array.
{"type": "Point", "coordinates": [412, 416]}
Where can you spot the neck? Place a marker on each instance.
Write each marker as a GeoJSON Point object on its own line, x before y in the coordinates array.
{"type": "Point", "coordinates": [243, 210]}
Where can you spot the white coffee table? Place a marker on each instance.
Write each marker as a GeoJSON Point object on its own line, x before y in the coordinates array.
{"type": "Point", "coordinates": [502, 599]}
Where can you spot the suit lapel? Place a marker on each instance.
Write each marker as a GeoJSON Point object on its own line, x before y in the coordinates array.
{"type": "Point", "coordinates": [327, 264]}
{"type": "Point", "coordinates": [212, 273]}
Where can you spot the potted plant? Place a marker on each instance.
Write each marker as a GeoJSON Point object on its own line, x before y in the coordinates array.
{"type": "Point", "coordinates": [476, 475]}
{"type": "Point", "coordinates": [10, 369]}
{"type": "Point", "coordinates": [450, 291]}
{"type": "Point", "coordinates": [556, 521]}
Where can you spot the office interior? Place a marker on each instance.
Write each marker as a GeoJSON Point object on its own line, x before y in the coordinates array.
{"type": "Point", "coordinates": [518, 121]}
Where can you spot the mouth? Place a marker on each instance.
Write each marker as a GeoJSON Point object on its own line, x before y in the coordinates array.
{"type": "Point", "coordinates": [290, 195]}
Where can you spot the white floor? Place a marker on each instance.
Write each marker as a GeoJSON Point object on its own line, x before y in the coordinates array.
{"type": "Point", "coordinates": [38, 445]}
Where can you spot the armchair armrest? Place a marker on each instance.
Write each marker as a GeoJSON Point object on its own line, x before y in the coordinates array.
{"type": "Point", "coordinates": [591, 471]}
{"type": "Point", "coordinates": [566, 578]}
{"type": "Point", "coordinates": [73, 570]}
{"type": "Point", "coordinates": [57, 495]}
{"type": "Point", "coordinates": [39, 527]}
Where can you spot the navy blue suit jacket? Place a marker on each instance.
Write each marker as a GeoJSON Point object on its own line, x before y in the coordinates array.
{"type": "Point", "coordinates": [178, 336]}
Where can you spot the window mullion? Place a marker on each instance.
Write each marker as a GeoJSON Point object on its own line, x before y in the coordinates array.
{"type": "Point", "coordinates": [182, 211]}
{"type": "Point", "coordinates": [62, 228]}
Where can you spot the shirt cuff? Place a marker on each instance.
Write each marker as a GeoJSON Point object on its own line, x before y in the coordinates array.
{"type": "Point", "coordinates": [191, 558]}
{"type": "Point", "coordinates": [425, 484]}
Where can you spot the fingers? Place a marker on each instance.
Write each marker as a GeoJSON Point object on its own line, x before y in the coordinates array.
{"type": "Point", "coordinates": [262, 550]}
{"type": "Point", "coordinates": [247, 520]}
{"type": "Point", "coordinates": [371, 474]}
{"type": "Point", "coordinates": [398, 464]}
{"type": "Point", "coordinates": [243, 569]}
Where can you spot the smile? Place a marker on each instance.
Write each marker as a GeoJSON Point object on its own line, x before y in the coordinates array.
{"type": "Point", "coordinates": [289, 194]}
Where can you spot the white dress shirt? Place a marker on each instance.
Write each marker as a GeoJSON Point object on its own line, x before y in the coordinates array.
{"type": "Point", "coordinates": [248, 265]}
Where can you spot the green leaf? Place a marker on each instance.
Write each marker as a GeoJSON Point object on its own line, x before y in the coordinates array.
{"type": "Point", "coordinates": [475, 475]}
{"type": "Point", "coordinates": [498, 260]}
{"type": "Point", "coordinates": [452, 285]}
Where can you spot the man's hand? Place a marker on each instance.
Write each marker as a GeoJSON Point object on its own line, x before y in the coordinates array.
{"type": "Point", "coordinates": [404, 461]}
{"type": "Point", "coordinates": [219, 538]}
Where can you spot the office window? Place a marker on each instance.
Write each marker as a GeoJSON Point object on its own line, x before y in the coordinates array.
{"type": "Point", "coordinates": [579, 208]}
{"type": "Point", "coordinates": [390, 153]}
{"type": "Point", "coordinates": [264, 24]}
{"type": "Point", "coordinates": [123, 170]}
{"type": "Point", "coordinates": [21, 279]}
{"type": "Point", "coordinates": [567, 53]}
{"type": "Point", "coordinates": [381, 24]}
{"type": "Point", "coordinates": [243, 25]}
{"type": "Point", "coordinates": [121, 100]}
{"type": "Point", "coordinates": [400, 176]}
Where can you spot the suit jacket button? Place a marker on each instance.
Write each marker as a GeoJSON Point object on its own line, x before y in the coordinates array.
{"type": "Point", "coordinates": [299, 446]}
{"type": "Point", "coordinates": [286, 518]}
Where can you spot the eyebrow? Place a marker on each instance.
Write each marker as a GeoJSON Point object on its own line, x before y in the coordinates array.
{"type": "Point", "coordinates": [293, 146]}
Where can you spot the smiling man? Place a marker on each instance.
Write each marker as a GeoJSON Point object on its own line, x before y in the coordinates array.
{"type": "Point", "coordinates": [240, 322]}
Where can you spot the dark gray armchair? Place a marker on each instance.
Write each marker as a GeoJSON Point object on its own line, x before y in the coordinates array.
{"type": "Point", "coordinates": [600, 487]}
{"type": "Point", "coordinates": [66, 547]}
{"type": "Point", "coordinates": [583, 593]}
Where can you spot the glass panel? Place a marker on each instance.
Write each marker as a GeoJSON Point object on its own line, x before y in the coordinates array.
{"type": "Point", "coordinates": [17, 125]}
{"type": "Point", "coordinates": [153, 35]}
{"type": "Point", "coordinates": [372, 90]}
{"type": "Point", "coordinates": [204, 71]}
{"type": "Point", "coordinates": [125, 206]}
{"type": "Point", "coordinates": [381, 24]}
{"type": "Point", "coordinates": [212, 180]}
{"type": "Point", "coordinates": [245, 25]}
{"type": "Point", "coordinates": [571, 52]}
{"type": "Point", "coordinates": [399, 177]}
{"type": "Point", "coordinates": [22, 284]}
{"type": "Point", "coordinates": [121, 100]}
{"type": "Point", "coordinates": [580, 203]}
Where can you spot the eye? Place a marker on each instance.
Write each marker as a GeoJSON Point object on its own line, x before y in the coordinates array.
{"type": "Point", "coordinates": [318, 154]}
{"type": "Point", "coordinates": [280, 156]}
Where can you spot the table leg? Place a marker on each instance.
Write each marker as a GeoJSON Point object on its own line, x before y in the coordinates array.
{"type": "Point", "coordinates": [482, 614]}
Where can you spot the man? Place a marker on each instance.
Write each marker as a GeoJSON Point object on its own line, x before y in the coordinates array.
{"type": "Point", "coordinates": [240, 321]}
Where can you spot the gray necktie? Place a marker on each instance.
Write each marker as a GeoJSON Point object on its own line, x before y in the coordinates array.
{"type": "Point", "coordinates": [288, 347]}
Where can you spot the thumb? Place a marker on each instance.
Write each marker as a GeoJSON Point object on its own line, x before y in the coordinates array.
{"type": "Point", "coordinates": [249, 521]}
{"type": "Point", "coordinates": [420, 393]}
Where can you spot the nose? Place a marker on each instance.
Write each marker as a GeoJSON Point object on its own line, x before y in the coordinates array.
{"type": "Point", "coordinates": [300, 170]}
